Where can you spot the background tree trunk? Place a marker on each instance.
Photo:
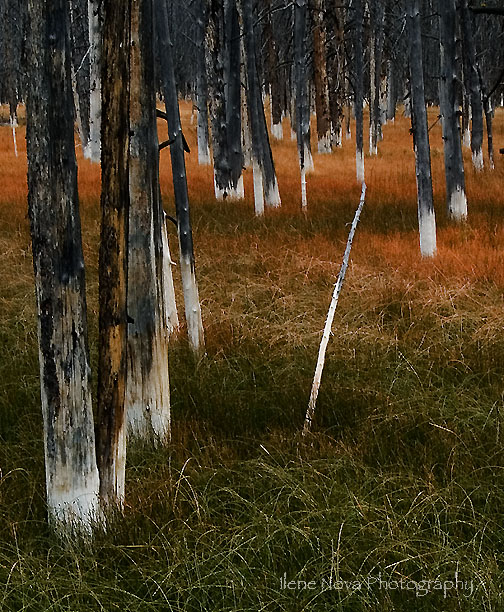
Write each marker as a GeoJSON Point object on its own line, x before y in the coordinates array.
{"type": "Point", "coordinates": [92, 150]}
{"type": "Point", "coordinates": [426, 217]}
{"type": "Point", "coordinates": [69, 441]}
{"type": "Point", "coordinates": [187, 264]}
{"type": "Point", "coordinates": [454, 165]}
{"type": "Point", "coordinates": [320, 79]}
{"type": "Point", "coordinates": [359, 89]}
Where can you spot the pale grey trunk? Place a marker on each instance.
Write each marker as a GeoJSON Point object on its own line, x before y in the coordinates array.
{"type": "Point", "coordinates": [187, 264]}
{"type": "Point", "coordinates": [426, 217]}
{"type": "Point", "coordinates": [69, 442]}
{"type": "Point", "coordinates": [454, 165]}
{"type": "Point", "coordinates": [93, 148]}
{"type": "Point", "coordinates": [147, 379]}
{"type": "Point", "coordinates": [391, 91]}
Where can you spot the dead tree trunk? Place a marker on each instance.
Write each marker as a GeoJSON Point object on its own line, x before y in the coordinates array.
{"type": "Point", "coordinates": [111, 434]}
{"type": "Point", "coordinates": [92, 150]}
{"type": "Point", "coordinates": [202, 88]}
{"type": "Point", "coordinates": [69, 442]}
{"type": "Point", "coordinates": [359, 89]}
{"type": "Point", "coordinates": [187, 265]}
{"type": "Point", "coordinates": [147, 383]}
{"type": "Point", "coordinates": [472, 79]}
{"type": "Point", "coordinates": [320, 79]}
{"type": "Point", "coordinates": [262, 158]}
{"type": "Point", "coordinates": [302, 100]}
{"type": "Point", "coordinates": [420, 129]}
{"type": "Point", "coordinates": [454, 165]}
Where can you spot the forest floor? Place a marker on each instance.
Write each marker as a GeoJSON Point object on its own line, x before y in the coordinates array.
{"type": "Point", "coordinates": [395, 502]}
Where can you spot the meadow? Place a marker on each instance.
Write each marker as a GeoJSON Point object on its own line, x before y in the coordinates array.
{"type": "Point", "coordinates": [394, 502]}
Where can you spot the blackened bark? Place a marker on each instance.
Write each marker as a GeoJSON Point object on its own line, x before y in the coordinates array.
{"type": "Point", "coordinates": [454, 165]}
{"type": "Point", "coordinates": [472, 79]}
{"type": "Point", "coordinates": [168, 86]}
{"type": "Point", "coordinates": [320, 79]}
{"type": "Point", "coordinates": [420, 129]}
{"type": "Point", "coordinates": [301, 85]}
{"type": "Point", "coordinates": [69, 442]}
{"type": "Point", "coordinates": [115, 137]}
{"type": "Point", "coordinates": [359, 88]}
{"type": "Point", "coordinates": [233, 97]}
{"type": "Point", "coordinates": [261, 148]}
{"type": "Point", "coordinates": [202, 88]}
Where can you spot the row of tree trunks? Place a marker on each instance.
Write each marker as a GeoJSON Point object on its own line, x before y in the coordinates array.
{"type": "Point", "coordinates": [69, 440]}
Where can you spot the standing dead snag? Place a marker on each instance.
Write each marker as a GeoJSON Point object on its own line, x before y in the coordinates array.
{"type": "Point", "coordinates": [187, 264]}
{"type": "Point", "coordinates": [147, 381]}
{"type": "Point", "coordinates": [69, 442]}
{"type": "Point", "coordinates": [310, 413]}
{"type": "Point", "coordinates": [425, 199]}
{"type": "Point", "coordinates": [111, 435]}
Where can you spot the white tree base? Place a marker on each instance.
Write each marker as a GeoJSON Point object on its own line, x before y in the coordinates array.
{"type": "Point", "coordinates": [477, 159]}
{"type": "Point", "coordinates": [458, 205]}
{"type": "Point", "coordinates": [272, 195]}
{"type": "Point", "coordinates": [277, 131]}
{"type": "Point", "coordinates": [427, 230]}
{"type": "Point", "coordinates": [359, 163]}
{"type": "Point", "coordinates": [324, 145]}
{"type": "Point", "coordinates": [258, 189]}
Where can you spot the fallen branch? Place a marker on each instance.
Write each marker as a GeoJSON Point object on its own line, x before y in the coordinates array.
{"type": "Point", "coordinates": [330, 317]}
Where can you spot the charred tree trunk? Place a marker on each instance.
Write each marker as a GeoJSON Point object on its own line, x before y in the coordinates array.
{"type": "Point", "coordinates": [111, 434]}
{"type": "Point", "coordinates": [454, 165]}
{"type": "Point", "coordinates": [262, 157]}
{"type": "Point", "coordinates": [79, 29]}
{"type": "Point", "coordinates": [147, 382]}
{"type": "Point", "coordinates": [69, 441]}
{"type": "Point", "coordinates": [359, 89]}
{"type": "Point", "coordinates": [187, 265]}
{"type": "Point", "coordinates": [233, 99]}
{"type": "Point", "coordinates": [202, 90]}
{"type": "Point", "coordinates": [420, 129]}
{"type": "Point", "coordinates": [472, 79]}
{"type": "Point", "coordinates": [336, 71]}
{"type": "Point", "coordinates": [273, 75]}
{"type": "Point", "coordinates": [302, 99]}
{"type": "Point", "coordinates": [321, 80]}
{"type": "Point", "coordinates": [378, 15]}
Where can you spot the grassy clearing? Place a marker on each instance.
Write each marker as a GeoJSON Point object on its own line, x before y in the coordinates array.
{"type": "Point", "coordinates": [403, 476]}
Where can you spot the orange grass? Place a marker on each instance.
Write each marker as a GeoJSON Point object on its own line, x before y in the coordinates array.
{"type": "Point", "coordinates": [288, 260]}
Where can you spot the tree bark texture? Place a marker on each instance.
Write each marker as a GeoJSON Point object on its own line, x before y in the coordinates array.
{"type": "Point", "coordinates": [187, 264]}
{"type": "Point", "coordinates": [454, 165]}
{"type": "Point", "coordinates": [261, 149]}
{"type": "Point", "coordinates": [202, 88]}
{"type": "Point", "coordinates": [111, 434]}
{"type": "Point", "coordinates": [320, 79]}
{"type": "Point", "coordinates": [426, 217]}
{"type": "Point", "coordinates": [359, 88]}
{"type": "Point", "coordinates": [92, 150]}
{"type": "Point", "coordinates": [474, 90]}
{"type": "Point", "coordinates": [69, 441]}
{"type": "Point", "coordinates": [147, 382]}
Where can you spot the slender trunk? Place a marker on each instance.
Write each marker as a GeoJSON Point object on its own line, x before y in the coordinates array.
{"type": "Point", "coordinates": [187, 264]}
{"type": "Point", "coordinates": [302, 101]}
{"type": "Point", "coordinates": [336, 71]}
{"type": "Point", "coordinates": [69, 441]}
{"type": "Point", "coordinates": [273, 76]}
{"type": "Point", "coordinates": [79, 28]}
{"type": "Point", "coordinates": [111, 430]}
{"type": "Point", "coordinates": [359, 89]}
{"type": "Point", "coordinates": [377, 48]}
{"type": "Point", "coordinates": [454, 165]}
{"type": "Point", "coordinates": [420, 129]}
{"type": "Point", "coordinates": [92, 150]}
{"type": "Point", "coordinates": [147, 382]}
{"type": "Point", "coordinates": [233, 100]}
{"type": "Point", "coordinates": [320, 79]}
{"type": "Point", "coordinates": [202, 90]}
{"type": "Point", "coordinates": [391, 91]}
{"type": "Point", "coordinates": [472, 79]}
{"type": "Point", "coordinates": [261, 150]}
